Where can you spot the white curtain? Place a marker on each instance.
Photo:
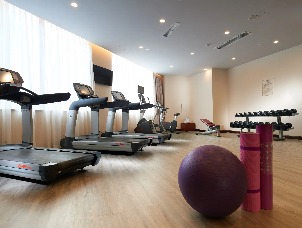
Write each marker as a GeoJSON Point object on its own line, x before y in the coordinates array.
{"type": "Point", "coordinates": [126, 78]}
{"type": "Point", "coordinates": [49, 59]}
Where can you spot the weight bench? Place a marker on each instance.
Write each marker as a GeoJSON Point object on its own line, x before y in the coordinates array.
{"type": "Point", "coordinates": [212, 128]}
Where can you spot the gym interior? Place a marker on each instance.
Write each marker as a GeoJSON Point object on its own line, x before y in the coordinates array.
{"type": "Point", "coordinates": [142, 190]}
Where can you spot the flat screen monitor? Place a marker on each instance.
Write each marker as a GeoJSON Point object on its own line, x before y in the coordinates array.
{"type": "Point", "coordinates": [140, 89]}
{"type": "Point", "coordinates": [102, 75]}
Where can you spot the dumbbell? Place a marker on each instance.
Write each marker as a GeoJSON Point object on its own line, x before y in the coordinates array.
{"type": "Point", "coordinates": [286, 112]}
{"type": "Point", "coordinates": [272, 113]}
{"type": "Point", "coordinates": [279, 113]}
{"type": "Point", "coordinates": [235, 124]}
{"type": "Point", "coordinates": [240, 124]}
{"type": "Point", "coordinates": [244, 124]}
{"type": "Point", "coordinates": [283, 127]}
{"type": "Point", "coordinates": [289, 125]}
{"type": "Point", "coordinates": [293, 111]}
{"type": "Point", "coordinates": [274, 125]}
{"type": "Point", "coordinates": [252, 125]}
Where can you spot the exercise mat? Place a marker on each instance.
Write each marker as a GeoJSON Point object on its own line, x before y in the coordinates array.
{"type": "Point", "coordinates": [250, 158]}
{"type": "Point", "coordinates": [266, 165]}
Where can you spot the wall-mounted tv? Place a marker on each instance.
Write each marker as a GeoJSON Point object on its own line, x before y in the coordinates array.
{"type": "Point", "coordinates": [102, 75]}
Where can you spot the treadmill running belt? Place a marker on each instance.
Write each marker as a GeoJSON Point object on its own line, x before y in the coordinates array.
{"type": "Point", "coordinates": [44, 164]}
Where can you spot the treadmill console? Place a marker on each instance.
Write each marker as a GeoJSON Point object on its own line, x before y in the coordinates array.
{"type": "Point", "coordinates": [10, 77]}
{"type": "Point", "coordinates": [118, 96]}
{"type": "Point", "coordinates": [83, 91]}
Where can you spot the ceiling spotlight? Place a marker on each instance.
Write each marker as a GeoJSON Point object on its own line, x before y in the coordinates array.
{"type": "Point", "coordinates": [227, 32]}
{"type": "Point", "coordinates": [162, 20]}
{"type": "Point", "coordinates": [147, 49]}
{"type": "Point", "coordinates": [141, 47]}
{"type": "Point", "coordinates": [253, 17]}
{"type": "Point", "coordinates": [171, 66]}
{"type": "Point", "coordinates": [276, 41]}
{"type": "Point", "coordinates": [233, 58]}
{"type": "Point", "coordinates": [205, 69]}
{"type": "Point", "coordinates": [192, 53]}
{"type": "Point", "coordinates": [74, 4]}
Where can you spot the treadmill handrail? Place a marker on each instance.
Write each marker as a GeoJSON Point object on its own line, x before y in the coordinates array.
{"type": "Point", "coordinates": [87, 102]}
{"type": "Point", "coordinates": [11, 92]}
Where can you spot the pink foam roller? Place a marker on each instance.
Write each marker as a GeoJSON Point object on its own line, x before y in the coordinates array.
{"type": "Point", "coordinates": [266, 166]}
{"type": "Point", "coordinates": [250, 158]}
{"type": "Point", "coordinates": [252, 202]}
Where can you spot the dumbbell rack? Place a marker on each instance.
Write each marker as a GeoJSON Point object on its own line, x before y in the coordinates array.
{"type": "Point", "coordinates": [279, 126]}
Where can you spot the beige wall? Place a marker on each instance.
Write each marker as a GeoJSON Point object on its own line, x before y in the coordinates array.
{"type": "Point", "coordinates": [245, 87]}
{"type": "Point", "coordinates": [220, 97]}
{"type": "Point", "coordinates": [190, 96]}
{"type": "Point", "coordinates": [201, 98]}
{"type": "Point", "coordinates": [177, 98]}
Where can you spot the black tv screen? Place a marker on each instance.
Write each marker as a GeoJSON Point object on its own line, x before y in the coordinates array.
{"type": "Point", "coordinates": [102, 75]}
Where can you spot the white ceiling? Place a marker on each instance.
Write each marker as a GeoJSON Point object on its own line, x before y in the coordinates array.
{"type": "Point", "coordinates": [121, 26]}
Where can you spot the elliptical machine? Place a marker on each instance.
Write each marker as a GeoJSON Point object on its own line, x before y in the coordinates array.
{"type": "Point", "coordinates": [147, 126]}
{"type": "Point", "coordinates": [163, 125]}
{"type": "Point", "coordinates": [144, 126]}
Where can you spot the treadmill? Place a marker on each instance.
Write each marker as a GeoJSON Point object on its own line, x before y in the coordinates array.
{"type": "Point", "coordinates": [93, 141]}
{"type": "Point", "coordinates": [156, 137]}
{"type": "Point", "coordinates": [22, 160]}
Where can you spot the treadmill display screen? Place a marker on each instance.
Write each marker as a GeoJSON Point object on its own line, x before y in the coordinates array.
{"type": "Point", "coordinates": [83, 90]}
{"type": "Point", "coordinates": [118, 96]}
{"type": "Point", "coordinates": [9, 76]}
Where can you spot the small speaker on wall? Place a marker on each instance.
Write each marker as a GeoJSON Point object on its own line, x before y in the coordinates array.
{"type": "Point", "coordinates": [102, 75]}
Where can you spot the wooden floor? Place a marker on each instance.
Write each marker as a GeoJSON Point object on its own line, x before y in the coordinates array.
{"type": "Point", "coordinates": [142, 191]}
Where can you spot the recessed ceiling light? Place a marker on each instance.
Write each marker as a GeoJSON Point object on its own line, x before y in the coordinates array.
{"type": "Point", "coordinates": [233, 58]}
{"type": "Point", "coordinates": [205, 69]}
{"type": "Point", "coordinates": [171, 66]}
{"type": "Point", "coordinates": [147, 49]}
{"type": "Point", "coordinates": [192, 53]}
{"type": "Point", "coordinates": [276, 41]}
{"type": "Point", "coordinates": [227, 32]}
{"type": "Point", "coordinates": [162, 20]}
{"type": "Point", "coordinates": [74, 4]}
{"type": "Point", "coordinates": [141, 47]}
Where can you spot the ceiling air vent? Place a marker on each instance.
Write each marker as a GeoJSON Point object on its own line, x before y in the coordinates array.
{"type": "Point", "coordinates": [233, 40]}
{"type": "Point", "coordinates": [171, 29]}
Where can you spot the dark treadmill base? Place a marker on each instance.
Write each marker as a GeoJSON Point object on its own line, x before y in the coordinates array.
{"type": "Point", "coordinates": [44, 164]}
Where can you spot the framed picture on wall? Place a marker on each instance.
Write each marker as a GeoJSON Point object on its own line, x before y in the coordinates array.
{"type": "Point", "coordinates": [268, 87]}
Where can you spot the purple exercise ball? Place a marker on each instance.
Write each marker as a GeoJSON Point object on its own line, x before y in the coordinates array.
{"type": "Point", "coordinates": [212, 180]}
